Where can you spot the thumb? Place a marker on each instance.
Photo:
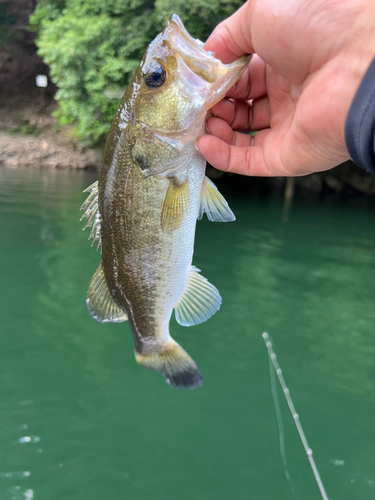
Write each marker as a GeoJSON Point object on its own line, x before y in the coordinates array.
{"type": "Point", "coordinates": [231, 38]}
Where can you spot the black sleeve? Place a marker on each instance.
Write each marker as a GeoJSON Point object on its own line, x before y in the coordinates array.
{"type": "Point", "coordinates": [360, 123]}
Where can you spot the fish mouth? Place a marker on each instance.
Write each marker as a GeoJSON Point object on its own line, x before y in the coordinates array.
{"type": "Point", "coordinates": [204, 64]}
{"type": "Point", "coordinates": [190, 49]}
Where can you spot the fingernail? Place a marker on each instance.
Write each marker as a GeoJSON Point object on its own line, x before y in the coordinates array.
{"type": "Point", "coordinates": [206, 129]}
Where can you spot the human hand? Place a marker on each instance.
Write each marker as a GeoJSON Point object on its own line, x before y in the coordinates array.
{"type": "Point", "coordinates": [310, 58]}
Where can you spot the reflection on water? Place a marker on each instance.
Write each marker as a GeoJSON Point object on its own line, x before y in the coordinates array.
{"type": "Point", "coordinates": [81, 420]}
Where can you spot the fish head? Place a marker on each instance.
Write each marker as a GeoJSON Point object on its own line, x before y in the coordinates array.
{"type": "Point", "coordinates": [179, 81]}
{"type": "Point", "coordinates": [175, 85]}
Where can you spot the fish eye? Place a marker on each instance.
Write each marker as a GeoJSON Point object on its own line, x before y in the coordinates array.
{"type": "Point", "coordinates": [155, 75]}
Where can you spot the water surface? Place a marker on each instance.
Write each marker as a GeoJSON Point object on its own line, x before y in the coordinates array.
{"type": "Point", "coordinates": [81, 421]}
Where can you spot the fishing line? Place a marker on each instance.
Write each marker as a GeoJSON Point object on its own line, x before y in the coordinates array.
{"type": "Point", "coordinates": [308, 450]}
{"type": "Point", "coordinates": [280, 426]}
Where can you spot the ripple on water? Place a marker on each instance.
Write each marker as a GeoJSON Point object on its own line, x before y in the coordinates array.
{"type": "Point", "coordinates": [15, 474]}
{"type": "Point", "coordinates": [29, 439]}
{"type": "Point", "coordinates": [16, 493]}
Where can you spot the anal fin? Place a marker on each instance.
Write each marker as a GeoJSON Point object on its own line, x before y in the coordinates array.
{"type": "Point", "coordinates": [99, 301]}
{"type": "Point", "coordinates": [199, 302]}
{"type": "Point", "coordinates": [214, 204]}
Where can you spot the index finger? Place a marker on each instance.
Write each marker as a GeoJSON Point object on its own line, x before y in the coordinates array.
{"type": "Point", "coordinates": [231, 38]}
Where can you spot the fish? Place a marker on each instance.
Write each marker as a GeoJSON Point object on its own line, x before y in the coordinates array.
{"type": "Point", "coordinates": [151, 190]}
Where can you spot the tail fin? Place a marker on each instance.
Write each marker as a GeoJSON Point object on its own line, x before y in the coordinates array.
{"type": "Point", "coordinates": [175, 364]}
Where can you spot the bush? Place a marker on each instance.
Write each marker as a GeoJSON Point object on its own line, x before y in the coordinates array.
{"type": "Point", "coordinates": [93, 47]}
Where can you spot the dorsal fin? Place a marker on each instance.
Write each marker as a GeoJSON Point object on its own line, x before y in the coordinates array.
{"type": "Point", "coordinates": [214, 204]}
{"type": "Point", "coordinates": [99, 301]}
{"type": "Point", "coordinates": [199, 302]}
{"type": "Point", "coordinates": [176, 205]}
{"type": "Point", "coordinates": [91, 213]}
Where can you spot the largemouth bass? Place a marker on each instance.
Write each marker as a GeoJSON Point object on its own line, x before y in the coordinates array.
{"type": "Point", "coordinates": [151, 190]}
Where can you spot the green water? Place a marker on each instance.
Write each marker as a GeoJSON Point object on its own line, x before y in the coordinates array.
{"type": "Point", "coordinates": [103, 428]}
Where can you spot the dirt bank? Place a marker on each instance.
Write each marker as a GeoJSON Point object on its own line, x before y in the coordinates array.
{"type": "Point", "coordinates": [30, 137]}
{"type": "Point", "coordinates": [44, 152]}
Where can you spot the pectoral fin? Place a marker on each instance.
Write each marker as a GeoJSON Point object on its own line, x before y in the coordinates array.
{"type": "Point", "coordinates": [99, 301]}
{"type": "Point", "coordinates": [176, 205]}
{"type": "Point", "coordinates": [91, 213]}
{"type": "Point", "coordinates": [214, 204]}
{"type": "Point", "coordinates": [200, 300]}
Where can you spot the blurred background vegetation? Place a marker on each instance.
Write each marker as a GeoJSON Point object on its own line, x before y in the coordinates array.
{"type": "Point", "coordinates": [93, 47]}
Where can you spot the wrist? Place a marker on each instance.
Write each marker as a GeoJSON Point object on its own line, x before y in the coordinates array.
{"type": "Point", "coordinates": [360, 122]}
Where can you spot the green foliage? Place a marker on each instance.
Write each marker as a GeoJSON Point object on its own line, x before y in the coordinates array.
{"type": "Point", "coordinates": [199, 16]}
{"type": "Point", "coordinates": [93, 47]}
{"type": "Point", "coordinates": [26, 128]}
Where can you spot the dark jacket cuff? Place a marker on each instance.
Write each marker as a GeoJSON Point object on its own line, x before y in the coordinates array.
{"type": "Point", "coordinates": [360, 123]}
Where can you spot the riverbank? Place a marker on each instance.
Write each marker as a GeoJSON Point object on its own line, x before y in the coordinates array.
{"type": "Point", "coordinates": [30, 137]}
{"type": "Point", "coordinates": [45, 151]}
{"type": "Point", "coordinates": [54, 150]}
